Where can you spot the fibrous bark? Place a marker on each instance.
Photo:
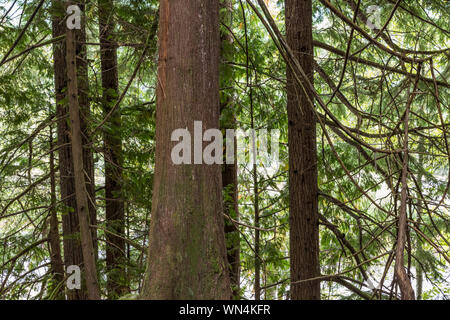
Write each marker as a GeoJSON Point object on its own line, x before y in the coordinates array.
{"type": "Point", "coordinates": [70, 223]}
{"type": "Point", "coordinates": [187, 253]}
{"type": "Point", "coordinates": [81, 194]}
{"type": "Point", "coordinates": [71, 241]}
{"type": "Point", "coordinates": [303, 190]}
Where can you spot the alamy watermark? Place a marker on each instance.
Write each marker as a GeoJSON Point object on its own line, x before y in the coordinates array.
{"type": "Point", "coordinates": [74, 17]}
{"type": "Point", "coordinates": [74, 277]}
{"type": "Point", "coordinates": [260, 147]}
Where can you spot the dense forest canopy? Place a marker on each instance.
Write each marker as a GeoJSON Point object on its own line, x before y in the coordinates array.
{"type": "Point", "coordinates": [351, 203]}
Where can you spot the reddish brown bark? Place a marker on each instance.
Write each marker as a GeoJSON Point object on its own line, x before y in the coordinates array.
{"type": "Point", "coordinates": [81, 194]}
{"type": "Point", "coordinates": [70, 223]}
{"type": "Point", "coordinates": [187, 254]}
{"type": "Point", "coordinates": [71, 243]}
{"type": "Point", "coordinates": [85, 111]}
{"type": "Point", "coordinates": [303, 190]}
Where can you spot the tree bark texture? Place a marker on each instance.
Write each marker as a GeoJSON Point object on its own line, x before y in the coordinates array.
{"type": "Point", "coordinates": [187, 253]}
{"type": "Point", "coordinates": [303, 190]}
{"type": "Point", "coordinates": [81, 194]}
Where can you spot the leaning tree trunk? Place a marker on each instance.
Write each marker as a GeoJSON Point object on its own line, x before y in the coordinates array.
{"type": "Point", "coordinates": [402, 277]}
{"type": "Point", "coordinates": [303, 190]}
{"type": "Point", "coordinates": [419, 249]}
{"type": "Point", "coordinates": [85, 110]}
{"type": "Point", "coordinates": [71, 242]}
{"type": "Point", "coordinates": [187, 254]}
{"type": "Point", "coordinates": [115, 214]}
{"type": "Point", "coordinates": [81, 194]}
{"type": "Point", "coordinates": [72, 246]}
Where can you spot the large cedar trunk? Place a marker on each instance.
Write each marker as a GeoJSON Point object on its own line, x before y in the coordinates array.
{"type": "Point", "coordinates": [303, 190]}
{"type": "Point", "coordinates": [115, 216]}
{"type": "Point", "coordinates": [187, 254]}
{"type": "Point", "coordinates": [71, 241]}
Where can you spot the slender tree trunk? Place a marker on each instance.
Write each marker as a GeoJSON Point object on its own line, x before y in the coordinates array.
{"type": "Point", "coordinates": [230, 187]}
{"type": "Point", "coordinates": [81, 193]}
{"type": "Point", "coordinates": [229, 171]}
{"type": "Point", "coordinates": [115, 215]}
{"type": "Point", "coordinates": [402, 277]}
{"type": "Point", "coordinates": [187, 253]}
{"type": "Point", "coordinates": [85, 110]}
{"type": "Point", "coordinates": [257, 215]}
{"type": "Point", "coordinates": [71, 243]}
{"type": "Point", "coordinates": [303, 190]}
{"type": "Point", "coordinates": [419, 249]}
{"type": "Point", "coordinates": [57, 266]}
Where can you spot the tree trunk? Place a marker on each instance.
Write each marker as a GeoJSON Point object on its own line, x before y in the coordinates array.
{"type": "Point", "coordinates": [71, 243]}
{"type": "Point", "coordinates": [85, 110]}
{"type": "Point", "coordinates": [229, 171]}
{"type": "Point", "coordinates": [57, 266]}
{"type": "Point", "coordinates": [115, 215]}
{"type": "Point", "coordinates": [303, 190]}
{"type": "Point", "coordinates": [230, 187]}
{"type": "Point", "coordinates": [81, 194]}
{"type": "Point", "coordinates": [187, 253]}
{"type": "Point", "coordinates": [419, 248]}
{"type": "Point", "coordinates": [257, 213]}
{"type": "Point", "coordinates": [401, 276]}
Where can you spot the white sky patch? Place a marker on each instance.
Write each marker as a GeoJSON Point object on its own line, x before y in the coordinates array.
{"type": "Point", "coordinates": [14, 14]}
{"type": "Point", "coordinates": [272, 6]}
